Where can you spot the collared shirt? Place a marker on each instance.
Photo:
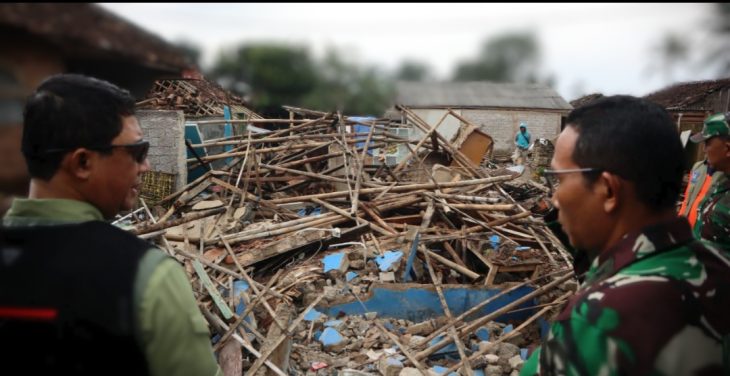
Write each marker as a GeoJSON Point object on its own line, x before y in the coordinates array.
{"type": "Point", "coordinates": [654, 304]}
{"type": "Point", "coordinates": [175, 337]}
{"type": "Point", "coordinates": [713, 222]}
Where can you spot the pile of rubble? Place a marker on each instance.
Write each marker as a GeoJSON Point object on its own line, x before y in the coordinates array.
{"type": "Point", "coordinates": [307, 251]}
{"type": "Point", "coordinates": [195, 97]}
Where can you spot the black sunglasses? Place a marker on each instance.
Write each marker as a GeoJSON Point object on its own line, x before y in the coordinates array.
{"type": "Point", "coordinates": [137, 150]}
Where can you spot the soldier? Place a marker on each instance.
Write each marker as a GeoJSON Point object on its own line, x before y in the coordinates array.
{"type": "Point", "coordinates": [654, 300]}
{"type": "Point", "coordinates": [714, 211]}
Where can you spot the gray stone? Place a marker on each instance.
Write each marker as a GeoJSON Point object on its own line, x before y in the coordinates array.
{"type": "Point", "coordinates": [507, 350]}
{"type": "Point", "coordinates": [414, 340]}
{"type": "Point", "coordinates": [516, 362]}
{"type": "Point", "coordinates": [493, 371]}
{"type": "Point", "coordinates": [410, 371]}
{"type": "Point", "coordinates": [492, 358]}
{"type": "Point", "coordinates": [389, 366]}
{"type": "Point", "coordinates": [492, 347]}
{"type": "Point", "coordinates": [425, 327]}
{"type": "Point", "coordinates": [387, 277]}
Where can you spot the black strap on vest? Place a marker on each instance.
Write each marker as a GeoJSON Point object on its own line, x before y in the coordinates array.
{"type": "Point", "coordinates": [66, 299]}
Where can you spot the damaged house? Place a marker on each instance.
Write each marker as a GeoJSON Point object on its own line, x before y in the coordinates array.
{"type": "Point", "coordinates": [39, 40]}
{"type": "Point", "coordinates": [497, 109]}
{"type": "Point", "coordinates": [690, 103]}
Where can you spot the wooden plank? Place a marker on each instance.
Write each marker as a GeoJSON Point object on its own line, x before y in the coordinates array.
{"type": "Point", "coordinates": [280, 350]}
{"type": "Point", "coordinates": [217, 299]}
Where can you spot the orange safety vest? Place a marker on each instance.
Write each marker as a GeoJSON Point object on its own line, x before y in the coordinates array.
{"type": "Point", "coordinates": [694, 201]}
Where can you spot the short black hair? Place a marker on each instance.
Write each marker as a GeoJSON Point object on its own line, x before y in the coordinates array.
{"type": "Point", "coordinates": [635, 139]}
{"type": "Point", "coordinates": [69, 111]}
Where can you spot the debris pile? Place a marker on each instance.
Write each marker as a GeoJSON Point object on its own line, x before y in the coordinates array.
{"type": "Point", "coordinates": [195, 97]}
{"type": "Point", "coordinates": [309, 253]}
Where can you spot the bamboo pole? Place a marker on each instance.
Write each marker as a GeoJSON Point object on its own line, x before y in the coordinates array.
{"type": "Point", "coordinates": [358, 174]}
{"type": "Point", "coordinates": [265, 355]}
{"type": "Point", "coordinates": [511, 334]}
{"type": "Point", "coordinates": [476, 323]}
{"type": "Point", "coordinates": [402, 188]}
{"type": "Point", "coordinates": [447, 312]}
{"type": "Point", "coordinates": [244, 342]}
{"type": "Point", "coordinates": [481, 305]}
{"type": "Point", "coordinates": [449, 263]}
{"type": "Point", "coordinates": [175, 222]}
{"type": "Point", "coordinates": [423, 140]}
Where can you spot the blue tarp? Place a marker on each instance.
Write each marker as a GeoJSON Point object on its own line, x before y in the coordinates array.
{"type": "Point", "coordinates": [418, 303]}
{"type": "Point", "coordinates": [361, 127]}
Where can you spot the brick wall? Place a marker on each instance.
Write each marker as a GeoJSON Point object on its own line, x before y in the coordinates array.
{"type": "Point", "coordinates": [165, 132]}
{"type": "Point", "coordinates": [503, 125]}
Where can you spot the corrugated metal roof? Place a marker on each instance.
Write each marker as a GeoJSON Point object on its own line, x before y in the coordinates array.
{"type": "Point", "coordinates": [478, 94]}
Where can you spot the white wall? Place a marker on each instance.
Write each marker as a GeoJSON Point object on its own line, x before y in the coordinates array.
{"type": "Point", "coordinates": [165, 132]}
{"type": "Point", "coordinates": [503, 125]}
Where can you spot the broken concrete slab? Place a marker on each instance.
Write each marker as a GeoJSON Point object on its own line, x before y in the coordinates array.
{"type": "Point", "coordinates": [493, 370]}
{"type": "Point", "coordinates": [338, 325]}
{"type": "Point", "coordinates": [438, 370]}
{"type": "Point", "coordinates": [387, 277]}
{"type": "Point", "coordinates": [417, 302]}
{"type": "Point", "coordinates": [516, 362]}
{"type": "Point", "coordinates": [389, 260]}
{"type": "Point", "coordinates": [332, 340]}
{"type": "Point", "coordinates": [389, 366]}
{"type": "Point", "coordinates": [313, 315]}
{"type": "Point", "coordinates": [335, 261]}
{"type": "Point", "coordinates": [482, 334]}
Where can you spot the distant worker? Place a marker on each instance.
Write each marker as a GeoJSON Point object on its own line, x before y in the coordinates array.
{"type": "Point", "coordinates": [700, 180]}
{"type": "Point", "coordinates": [713, 214]}
{"type": "Point", "coordinates": [522, 143]}
{"type": "Point", "coordinates": [77, 295]}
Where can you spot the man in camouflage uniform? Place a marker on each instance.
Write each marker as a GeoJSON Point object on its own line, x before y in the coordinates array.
{"type": "Point", "coordinates": [713, 221]}
{"type": "Point", "coordinates": [654, 301]}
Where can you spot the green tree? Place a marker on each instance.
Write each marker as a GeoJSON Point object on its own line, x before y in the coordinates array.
{"type": "Point", "coordinates": [410, 70]}
{"type": "Point", "coordinates": [511, 57]}
{"type": "Point", "coordinates": [347, 87]}
{"type": "Point", "coordinates": [191, 50]}
{"type": "Point", "coordinates": [719, 27]}
{"type": "Point", "coordinates": [271, 74]}
{"type": "Point", "coordinates": [672, 51]}
{"type": "Point", "coordinates": [276, 75]}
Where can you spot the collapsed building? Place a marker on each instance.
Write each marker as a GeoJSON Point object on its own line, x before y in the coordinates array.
{"type": "Point", "coordinates": [325, 244]}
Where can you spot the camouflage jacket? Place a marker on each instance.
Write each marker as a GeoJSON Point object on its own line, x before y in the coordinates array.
{"type": "Point", "coordinates": [713, 222]}
{"type": "Point", "coordinates": [657, 303]}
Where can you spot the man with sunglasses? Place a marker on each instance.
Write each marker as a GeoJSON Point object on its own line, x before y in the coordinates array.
{"type": "Point", "coordinates": [654, 300]}
{"type": "Point", "coordinates": [76, 293]}
{"type": "Point", "coordinates": [713, 213]}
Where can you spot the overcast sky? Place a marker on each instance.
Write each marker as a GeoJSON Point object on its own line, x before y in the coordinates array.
{"type": "Point", "coordinates": [589, 48]}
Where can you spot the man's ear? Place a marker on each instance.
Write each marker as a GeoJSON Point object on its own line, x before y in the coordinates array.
{"type": "Point", "coordinates": [79, 163]}
{"type": "Point", "coordinates": [610, 186]}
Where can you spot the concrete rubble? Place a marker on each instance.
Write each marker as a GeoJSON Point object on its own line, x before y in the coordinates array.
{"type": "Point", "coordinates": [314, 255]}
